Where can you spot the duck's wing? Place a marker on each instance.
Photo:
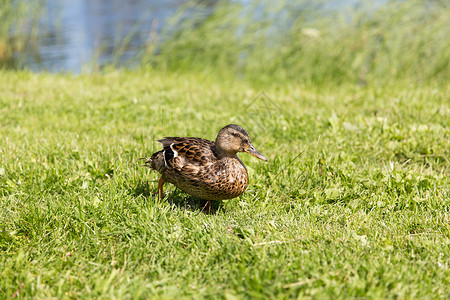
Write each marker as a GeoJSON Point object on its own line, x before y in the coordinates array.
{"type": "Point", "coordinates": [181, 151]}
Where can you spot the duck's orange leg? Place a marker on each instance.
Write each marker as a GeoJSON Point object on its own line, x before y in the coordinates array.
{"type": "Point", "coordinates": [160, 188]}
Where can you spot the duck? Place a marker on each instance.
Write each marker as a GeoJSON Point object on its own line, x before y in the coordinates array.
{"type": "Point", "coordinates": [208, 170]}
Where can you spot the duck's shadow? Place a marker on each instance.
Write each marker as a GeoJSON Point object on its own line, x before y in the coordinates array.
{"type": "Point", "coordinates": [142, 189]}
{"type": "Point", "coordinates": [188, 202]}
{"type": "Point", "coordinates": [177, 198]}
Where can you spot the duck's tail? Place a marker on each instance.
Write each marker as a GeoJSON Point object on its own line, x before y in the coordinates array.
{"type": "Point", "coordinates": [155, 162]}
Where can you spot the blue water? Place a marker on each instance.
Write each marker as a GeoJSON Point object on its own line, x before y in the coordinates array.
{"type": "Point", "coordinates": [81, 35]}
{"type": "Point", "coordinates": [78, 35]}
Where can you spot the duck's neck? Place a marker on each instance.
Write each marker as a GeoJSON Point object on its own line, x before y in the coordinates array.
{"type": "Point", "coordinates": [221, 154]}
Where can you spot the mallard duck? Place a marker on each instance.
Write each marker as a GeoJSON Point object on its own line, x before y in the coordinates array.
{"type": "Point", "coordinates": [202, 168]}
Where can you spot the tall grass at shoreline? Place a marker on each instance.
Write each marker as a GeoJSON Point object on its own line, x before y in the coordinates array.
{"type": "Point", "coordinates": [278, 41]}
{"type": "Point", "coordinates": [18, 30]}
{"type": "Point", "coordinates": [281, 41]}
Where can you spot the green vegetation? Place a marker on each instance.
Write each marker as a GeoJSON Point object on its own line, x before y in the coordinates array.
{"type": "Point", "coordinates": [306, 41]}
{"type": "Point", "coordinates": [353, 202]}
{"type": "Point", "coordinates": [18, 29]}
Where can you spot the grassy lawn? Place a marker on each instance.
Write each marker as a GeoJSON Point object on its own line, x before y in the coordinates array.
{"type": "Point", "coordinates": [353, 202]}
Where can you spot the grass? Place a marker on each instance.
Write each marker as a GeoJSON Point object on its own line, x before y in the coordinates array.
{"type": "Point", "coordinates": [354, 201]}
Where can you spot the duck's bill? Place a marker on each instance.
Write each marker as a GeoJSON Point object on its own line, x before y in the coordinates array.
{"type": "Point", "coordinates": [255, 153]}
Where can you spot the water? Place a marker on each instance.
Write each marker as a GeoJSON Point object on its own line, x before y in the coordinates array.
{"type": "Point", "coordinates": [79, 35]}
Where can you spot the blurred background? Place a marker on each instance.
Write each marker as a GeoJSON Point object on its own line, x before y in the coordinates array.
{"type": "Point", "coordinates": [264, 41]}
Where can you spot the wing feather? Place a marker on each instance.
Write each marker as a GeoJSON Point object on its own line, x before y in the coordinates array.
{"type": "Point", "coordinates": [190, 150]}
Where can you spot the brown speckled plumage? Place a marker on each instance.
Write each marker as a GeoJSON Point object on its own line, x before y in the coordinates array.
{"type": "Point", "coordinates": [205, 169]}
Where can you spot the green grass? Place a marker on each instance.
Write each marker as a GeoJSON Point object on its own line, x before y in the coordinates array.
{"type": "Point", "coordinates": [353, 202]}
{"type": "Point", "coordinates": [350, 108]}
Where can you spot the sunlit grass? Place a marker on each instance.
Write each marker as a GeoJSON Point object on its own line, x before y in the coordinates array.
{"type": "Point", "coordinates": [352, 111]}
{"type": "Point", "coordinates": [353, 202]}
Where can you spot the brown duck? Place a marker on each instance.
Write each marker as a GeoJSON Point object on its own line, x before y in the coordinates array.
{"type": "Point", "coordinates": [202, 168]}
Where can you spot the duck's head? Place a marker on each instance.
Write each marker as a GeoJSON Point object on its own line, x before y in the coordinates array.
{"type": "Point", "coordinates": [233, 139]}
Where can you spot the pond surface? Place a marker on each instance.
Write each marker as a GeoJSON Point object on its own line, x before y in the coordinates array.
{"type": "Point", "coordinates": [78, 36]}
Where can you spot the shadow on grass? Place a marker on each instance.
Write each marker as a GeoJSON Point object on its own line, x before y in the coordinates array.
{"type": "Point", "coordinates": [187, 202]}
{"type": "Point", "coordinates": [177, 198]}
{"type": "Point", "coordinates": [143, 189]}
